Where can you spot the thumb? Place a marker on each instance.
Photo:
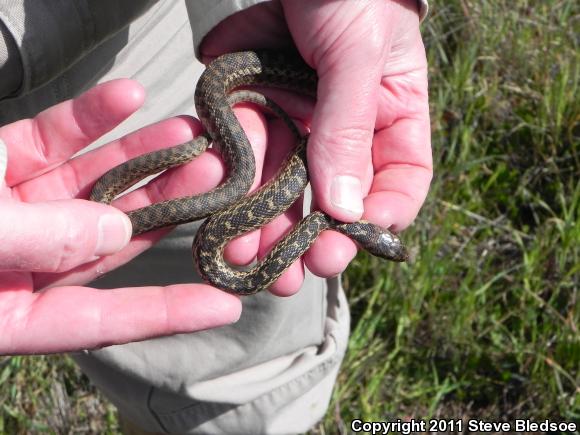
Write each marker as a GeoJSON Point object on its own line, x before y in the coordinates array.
{"type": "Point", "coordinates": [346, 43]}
{"type": "Point", "coordinates": [339, 148]}
{"type": "Point", "coordinates": [56, 236]}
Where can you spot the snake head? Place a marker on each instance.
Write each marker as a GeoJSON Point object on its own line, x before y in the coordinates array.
{"type": "Point", "coordinates": [377, 240]}
{"type": "Point", "coordinates": [389, 246]}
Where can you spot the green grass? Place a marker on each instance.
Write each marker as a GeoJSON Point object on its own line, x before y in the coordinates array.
{"type": "Point", "coordinates": [483, 322]}
{"type": "Point", "coordinates": [50, 395]}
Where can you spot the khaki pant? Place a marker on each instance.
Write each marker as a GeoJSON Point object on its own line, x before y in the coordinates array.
{"type": "Point", "coordinates": [287, 391]}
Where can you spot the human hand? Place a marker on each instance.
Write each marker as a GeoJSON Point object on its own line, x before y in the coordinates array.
{"type": "Point", "coordinates": [53, 240]}
{"type": "Point", "coordinates": [369, 150]}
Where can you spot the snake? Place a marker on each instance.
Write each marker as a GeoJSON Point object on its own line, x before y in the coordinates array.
{"type": "Point", "coordinates": [228, 210]}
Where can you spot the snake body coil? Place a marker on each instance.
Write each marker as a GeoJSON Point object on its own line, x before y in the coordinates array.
{"type": "Point", "coordinates": [230, 212]}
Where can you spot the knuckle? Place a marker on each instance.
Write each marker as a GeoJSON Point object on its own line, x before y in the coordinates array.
{"type": "Point", "coordinates": [73, 237]}
{"type": "Point", "coordinates": [347, 141]}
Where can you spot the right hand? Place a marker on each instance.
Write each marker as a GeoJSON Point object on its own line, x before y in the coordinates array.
{"type": "Point", "coordinates": [54, 240]}
{"type": "Point", "coordinates": [369, 150]}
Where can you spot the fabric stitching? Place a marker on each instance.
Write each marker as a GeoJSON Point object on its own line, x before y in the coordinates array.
{"type": "Point", "coordinates": [153, 413]}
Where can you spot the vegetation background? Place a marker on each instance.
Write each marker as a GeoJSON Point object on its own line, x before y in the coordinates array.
{"type": "Point", "coordinates": [483, 322]}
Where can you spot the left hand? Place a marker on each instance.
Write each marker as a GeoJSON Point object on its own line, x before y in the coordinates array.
{"type": "Point", "coordinates": [54, 240]}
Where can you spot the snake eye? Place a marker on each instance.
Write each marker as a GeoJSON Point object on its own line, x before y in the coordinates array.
{"type": "Point", "coordinates": [390, 247]}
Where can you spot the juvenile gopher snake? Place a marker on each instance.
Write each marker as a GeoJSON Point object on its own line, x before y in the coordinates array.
{"type": "Point", "coordinates": [229, 212]}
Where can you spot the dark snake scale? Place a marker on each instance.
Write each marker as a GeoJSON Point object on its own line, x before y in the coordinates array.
{"type": "Point", "coordinates": [228, 210]}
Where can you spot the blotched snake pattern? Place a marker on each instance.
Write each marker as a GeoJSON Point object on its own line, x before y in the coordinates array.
{"type": "Point", "coordinates": [228, 210]}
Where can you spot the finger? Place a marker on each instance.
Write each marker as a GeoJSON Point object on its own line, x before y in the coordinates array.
{"type": "Point", "coordinates": [199, 176]}
{"type": "Point", "coordinates": [202, 175]}
{"type": "Point", "coordinates": [340, 142]}
{"type": "Point", "coordinates": [398, 193]}
{"type": "Point", "coordinates": [277, 142]}
{"type": "Point", "coordinates": [37, 145]}
{"type": "Point", "coordinates": [401, 152]}
{"type": "Point", "coordinates": [76, 177]}
{"type": "Point", "coordinates": [73, 318]}
{"type": "Point", "coordinates": [332, 252]}
{"type": "Point", "coordinates": [349, 75]}
{"type": "Point", "coordinates": [403, 165]}
{"type": "Point", "coordinates": [88, 272]}
{"type": "Point", "coordinates": [291, 280]}
{"type": "Point", "coordinates": [282, 143]}
{"type": "Point", "coordinates": [242, 250]}
{"type": "Point", "coordinates": [59, 235]}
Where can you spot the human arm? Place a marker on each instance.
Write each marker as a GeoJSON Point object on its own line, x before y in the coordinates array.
{"type": "Point", "coordinates": [35, 46]}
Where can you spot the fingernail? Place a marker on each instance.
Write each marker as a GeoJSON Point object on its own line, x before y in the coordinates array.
{"type": "Point", "coordinates": [114, 234]}
{"type": "Point", "coordinates": [346, 193]}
